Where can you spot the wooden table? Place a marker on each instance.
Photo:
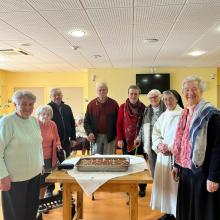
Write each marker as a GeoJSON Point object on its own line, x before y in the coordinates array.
{"type": "Point", "coordinates": [128, 183]}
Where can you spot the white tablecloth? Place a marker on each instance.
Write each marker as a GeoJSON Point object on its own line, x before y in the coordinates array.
{"type": "Point", "coordinates": [91, 181]}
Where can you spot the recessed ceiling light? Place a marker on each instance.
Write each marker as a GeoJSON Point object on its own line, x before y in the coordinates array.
{"type": "Point", "coordinates": [77, 33]}
{"type": "Point", "coordinates": [218, 29]}
{"type": "Point", "coordinates": [151, 40]}
{"type": "Point", "coordinates": [196, 53]}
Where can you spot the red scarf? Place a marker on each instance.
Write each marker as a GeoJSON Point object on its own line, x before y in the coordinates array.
{"type": "Point", "coordinates": [133, 114]}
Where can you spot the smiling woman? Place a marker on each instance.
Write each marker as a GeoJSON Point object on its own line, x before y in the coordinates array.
{"type": "Point", "coordinates": [21, 159]}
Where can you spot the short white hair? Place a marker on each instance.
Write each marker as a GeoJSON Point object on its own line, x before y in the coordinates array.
{"type": "Point", "coordinates": [154, 92]}
{"type": "Point", "coordinates": [101, 84]}
{"type": "Point", "coordinates": [53, 90]}
{"type": "Point", "coordinates": [201, 83]}
{"type": "Point", "coordinates": [43, 108]}
{"type": "Point", "coordinates": [20, 94]}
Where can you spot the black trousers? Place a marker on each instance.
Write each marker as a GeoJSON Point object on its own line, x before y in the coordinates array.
{"type": "Point", "coordinates": [194, 202]}
{"type": "Point", "coordinates": [139, 151]}
{"type": "Point", "coordinates": [21, 201]}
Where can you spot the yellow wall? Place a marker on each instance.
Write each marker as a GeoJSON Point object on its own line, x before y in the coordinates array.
{"type": "Point", "coordinates": [118, 80]}
{"type": "Point", "coordinates": [3, 93]}
{"type": "Point", "coordinates": [47, 81]}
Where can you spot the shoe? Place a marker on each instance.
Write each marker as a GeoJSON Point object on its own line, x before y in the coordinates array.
{"type": "Point", "coordinates": [167, 217]}
{"type": "Point", "coordinates": [142, 193]}
{"type": "Point", "coordinates": [42, 209]}
{"type": "Point", "coordinates": [48, 194]}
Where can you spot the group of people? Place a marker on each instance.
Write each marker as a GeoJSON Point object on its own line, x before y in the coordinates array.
{"type": "Point", "coordinates": [181, 143]}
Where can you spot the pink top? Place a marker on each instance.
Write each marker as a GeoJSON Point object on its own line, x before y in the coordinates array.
{"type": "Point", "coordinates": [50, 140]}
{"type": "Point", "coordinates": [183, 154]}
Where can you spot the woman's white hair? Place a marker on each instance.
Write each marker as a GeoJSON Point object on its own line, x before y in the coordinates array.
{"type": "Point", "coordinates": [43, 108]}
{"type": "Point", "coordinates": [20, 94]}
{"type": "Point", "coordinates": [154, 92]}
{"type": "Point", "coordinates": [201, 83]}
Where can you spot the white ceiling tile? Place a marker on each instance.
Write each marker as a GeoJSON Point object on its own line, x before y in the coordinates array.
{"type": "Point", "coordinates": [55, 4]}
{"type": "Point", "coordinates": [68, 18]}
{"type": "Point", "coordinates": [147, 3]}
{"type": "Point", "coordinates": [14, 5]}
{"type": "Point", "coordinates": [106, 4]}
{"type": "Point", "coordinates": [111, 17]}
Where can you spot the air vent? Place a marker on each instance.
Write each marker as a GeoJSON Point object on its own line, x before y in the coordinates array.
{"type": "Point", "coordinates": [10, 52]}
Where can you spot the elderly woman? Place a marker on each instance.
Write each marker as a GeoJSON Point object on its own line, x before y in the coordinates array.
{"type": "Point", "coordinates": [197, 155]}
{"type": "Point", "coordinates": [164, 192]}
{"type": "Point", "coordinates": [21, 159]}
{"type": "Point", "coordinates": [51, 140]}
{"type": "Point", "coordinates": [129, 120]}
{"type": "Point", "coordinates": [82, 142]}
{"type": "Point", "coordinates": [151, 114]}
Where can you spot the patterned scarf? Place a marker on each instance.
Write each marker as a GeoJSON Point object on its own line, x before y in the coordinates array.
{"type": "Point", "coordinates": [179, 131]}
{"type": "Point", "coordinates": [133, 114]}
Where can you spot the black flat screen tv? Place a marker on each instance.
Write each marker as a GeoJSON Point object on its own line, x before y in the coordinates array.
{"type": "Point", "coordinates": [147, 82]}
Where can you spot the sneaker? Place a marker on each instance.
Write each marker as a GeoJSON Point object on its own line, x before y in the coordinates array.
{"type": "Point", "coordinates": [48, 194]}
{"type": "Point", "coordinates": [42, 209]}
{"type": "Point", "coordinates": [142, 193]}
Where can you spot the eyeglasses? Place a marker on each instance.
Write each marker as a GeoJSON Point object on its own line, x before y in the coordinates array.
{"type": "Point", "coordinates": [153, 97]}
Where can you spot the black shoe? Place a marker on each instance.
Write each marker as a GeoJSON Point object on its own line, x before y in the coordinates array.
{"type": "Point", "coordinates": [167, 217]}
{"type": "Point", "coordinates": [42, 209]}
{"type": "Point", "coordinates": [142, 193]}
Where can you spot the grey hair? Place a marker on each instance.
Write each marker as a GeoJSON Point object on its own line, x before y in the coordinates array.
{"type": "Point", "coordinates": [155, 92]}
{"type": "Point", "coordinates": [101, 84]}
{"type": "Point", "coordinates": [53, 90]}
{"type": "Point", "coordinates": [134, 87]}
{"type": "Point", "coordinates": [20, 94]}
{"type": "Point", "coordinates": [42, 108]}
{"type": "Point", "coordinates": [167, 92]}
{"type": "Point", "coordinates": [201, 83]}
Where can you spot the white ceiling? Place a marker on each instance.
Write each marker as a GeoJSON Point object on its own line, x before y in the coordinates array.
{"type": "Point", "coordinates": [115, 29]}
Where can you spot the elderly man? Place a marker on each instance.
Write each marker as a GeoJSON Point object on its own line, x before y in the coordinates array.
{"type": "Point", "coordinates": [100, 121]}
{"type": "Point", "coordinates": [63, 117]}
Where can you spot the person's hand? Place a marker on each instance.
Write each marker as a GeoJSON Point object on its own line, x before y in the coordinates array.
{"type": "Point", "coordinates": [5, 183]}
{"type": "Point", "coordinates": [175, 174]}
{"type": "Point", "coordinates": [163, 148]}
{"type": "Point", "coordinates": [211, 186]}
{"type": "Point", "coordinates": [91, 137]}
{"type": "Point", "coordinates": [59, 147]}
{"type": "Point", "coordinates": [120, 143]}
{"type": "Point", "coordinates": [137, 142]}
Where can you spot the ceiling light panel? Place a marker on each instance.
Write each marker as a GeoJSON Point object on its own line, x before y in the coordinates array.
{"type": "Point", "coordinates": [106, 4]}
{"type": "Point", "coordinates": [45, 5]}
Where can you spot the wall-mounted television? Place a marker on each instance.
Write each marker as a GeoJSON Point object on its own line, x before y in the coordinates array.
{"type": "Point", "coordinates": [147, 82]}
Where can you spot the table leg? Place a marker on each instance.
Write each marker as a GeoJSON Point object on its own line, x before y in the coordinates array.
{"type": "Point", "coordinates": [80, 204]}
{"type": "Point", "coordinates": [66, 201]}
{"type": "Point", "coordinates": [133, 204]}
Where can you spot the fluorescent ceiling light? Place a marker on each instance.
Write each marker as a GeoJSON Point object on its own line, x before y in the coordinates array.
{"type": "Point", "coordinates": [196, 53]}
{"type": "Point", "coordinates": [77, 33]}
